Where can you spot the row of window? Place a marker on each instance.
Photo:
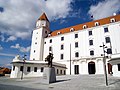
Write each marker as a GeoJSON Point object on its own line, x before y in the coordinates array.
{"type": "Point", "coordinates": [107, 40]}
{"type": "Point", "coordinates": [76, 35]}
{"type": "Point", "coordinates": [61, 72]}
{"type": "Point", "coordinates": [42, 68]}
{"type": "Point", "coordinates": [109, 51]}
{"type": "Point", "coordinates": [85, 26]}
{"type": "Point", "coordinates": [29, 69]}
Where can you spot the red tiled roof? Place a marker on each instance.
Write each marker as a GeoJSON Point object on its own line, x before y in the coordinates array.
{"type": "Point", "coordinates": [43, 17]}
{"type": "Point", "coordinates": [88, 24]}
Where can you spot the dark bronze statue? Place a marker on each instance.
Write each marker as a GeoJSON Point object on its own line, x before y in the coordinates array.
{"type": "Point", "coordinates": [49, 59]}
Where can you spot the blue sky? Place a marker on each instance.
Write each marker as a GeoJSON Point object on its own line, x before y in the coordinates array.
{"type": "Point", "coordinates": [18, 17]}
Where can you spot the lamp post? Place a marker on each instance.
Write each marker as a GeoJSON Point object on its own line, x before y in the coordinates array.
{"type": "Point", "coordinates": [70, 59]}
{"type": "Point", "coordinates": [104, 62]}
{"type": "Point", "coordinates": [24, 58]}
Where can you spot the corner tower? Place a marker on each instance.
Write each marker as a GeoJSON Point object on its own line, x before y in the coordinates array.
{"type": "Point", "coordinates": [38, 35]}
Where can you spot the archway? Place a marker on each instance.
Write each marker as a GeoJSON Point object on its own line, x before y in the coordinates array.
{"type": "Point", "coordinates": [91, 67]}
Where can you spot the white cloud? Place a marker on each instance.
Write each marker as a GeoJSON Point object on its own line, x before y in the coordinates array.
{"type": "Point", "coordinates": [6, 54]}
{"type": "Point", "coordinates": [104, 9]}
{"type": "Point", "coordinates": [1, 47]}
{"type": "Point", "coordinates": [21, 49]}
{"type": "Point", "coordinates": [11, 38]}
{"type": "Point", "coordinates": [19, 16]}
{"type": "Point", "coordinates": [2, 38]}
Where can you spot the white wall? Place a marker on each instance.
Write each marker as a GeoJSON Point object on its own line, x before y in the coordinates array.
{"type": "Point", "coordinates": [84, 48]}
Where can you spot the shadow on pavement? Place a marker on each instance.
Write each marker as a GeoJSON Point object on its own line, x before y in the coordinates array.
{"type": "Point", "coordinates": [115, 82]}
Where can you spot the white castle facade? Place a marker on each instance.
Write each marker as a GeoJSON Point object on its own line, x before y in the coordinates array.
{"type": "Point", "coordinates": [76, 49]}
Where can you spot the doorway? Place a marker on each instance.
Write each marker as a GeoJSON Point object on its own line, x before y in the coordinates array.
{"type": "Point", "coordinates": [109, 68]}
{"type": "Point", "coordinates": [76, 69]}
{"type": "Point", "coordinates": [91, 67]}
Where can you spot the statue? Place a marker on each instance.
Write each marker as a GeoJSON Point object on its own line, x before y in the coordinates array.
{"type": "Point", "coordinates": [17, 57]}
{"type": "Point", "coordinates": [49, 59]}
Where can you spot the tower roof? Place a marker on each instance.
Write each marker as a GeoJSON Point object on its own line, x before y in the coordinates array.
{"type": "Point", "coordinates": [43, 17]}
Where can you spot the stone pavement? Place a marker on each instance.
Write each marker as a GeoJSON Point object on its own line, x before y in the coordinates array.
{"type": "Point", "coordinates": [67, 82]}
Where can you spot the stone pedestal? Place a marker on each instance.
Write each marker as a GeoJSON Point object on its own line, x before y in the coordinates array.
{"type": "Point", "coordinates": [49, 75]}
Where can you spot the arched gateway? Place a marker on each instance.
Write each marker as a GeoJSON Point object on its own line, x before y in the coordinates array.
{"type": "Point", "coordinates": [91, 67]}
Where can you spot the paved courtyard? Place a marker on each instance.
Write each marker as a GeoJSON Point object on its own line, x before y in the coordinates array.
{"type": "Point", "coordinates": [68, 82]}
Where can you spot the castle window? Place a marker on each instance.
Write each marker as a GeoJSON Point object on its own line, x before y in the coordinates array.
{"type": "Point", "coordinates": [13, 68]}
{"type": "Point", "coordinates": [84, 26]}
{"type": "Point", "coordinates": [61, 56]}
{"type": "Point", "coordinates": [58, 33]}
{"type": "Point", "coordinates": [62, 47]}
{"type": "Point", "coordinates": [112, 20]}
{"type": "Point", "coordinates": [60, 71]}
{"type": "Point", "coordinates": [107, 39]}
{"type": "Point", "coordinates": [35, 42]}
{"type": "Point", "coordinates": [109, 51]}
{"type": "Point", "coordinates": [33, 58]}
{"type": "Point", "coordinates": [45, 42]}
{"type": "Point", "coordinates": [76, 35]}
{"type": "Point", "coordinates": [90, 42]}
{"type": "Point", "coordinates": [90, 33]}
{"type": "Point", "coordinates": [28, 69]}
{"type": "Point", "coordinates": [105, 29]}
{"type": "Point", "coordinates": [64, 72]}
{"type": "Point", "coordinates": [42, 69]}
{"type": "Point", "coordinates": [50, 48]}
{"type": "Point", "coordinates": [76, 54]}
{"type": "Point", "coordinates": [118, 67]}
{"type": "Point", "coordinates": [62, 38]}
{"type": "Point", "coordinates": [57, 71]}
{"type": "Point", "coordinates": [45, 32]}
{"type": "Point", "coordinates": [50, 40]}
{"type": "Point", "coordinates": [96, 23]}
{"type": "Point", "coordinates": [76, 44]}
{"type": "Point", "coordinates": [35, 69]}
{"type": "Point", "coordinates": [49, 35]}
{"type": "Point", "coordinates": [21, 68]}
{"type": "Point", "coordinates": [34, 51]}
{"type": "Point", "coordinates": [72, 29]}
{"type": "Point", "coordinates": [91, 52]}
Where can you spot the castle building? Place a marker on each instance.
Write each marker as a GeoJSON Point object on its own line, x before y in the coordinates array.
{"type": "Point", "coordinates": [76, 49]}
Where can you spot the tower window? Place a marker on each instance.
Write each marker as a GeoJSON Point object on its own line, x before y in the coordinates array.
{"type": "Point", "coordinates": [62, 47]}
{"type": "Point", "coordinates": [76, 35]}
{"type": "Point", "coordinates": [61, 56]}
{"type": "Point", "coordinates": [90, 42]}
{"type": "Point", "coordinates": [28, 69]}
{"type": "Point", "coordinates": [91, 52]}
{"type": "Point", "coordinates": [76, 54]}
{"type": "Point", "coordinates": [35, 69]}
{"type": "Point", "coordinates": [50, 48]}
{"type": "Point", "coordinates": [50, 40]}
{"type": "Point", "coordinates": [90, 33]}
{"type": "Point", "coordinates": [107, 39]}
{"type": "Point", "coordinates": [105, 29]}
{"type": "Point", "coordinates": [109, 51]}
{"type": "Point", "coordinates": [45, 32]}
{"type": "Point", "coordinates": [76, 44]}
{"type": "Point", "coordinates": [35, 42]}
{"type": "Point", "coordinates": [34, 51]}
{"type": "Point", "coordinates": [62, 38]}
